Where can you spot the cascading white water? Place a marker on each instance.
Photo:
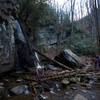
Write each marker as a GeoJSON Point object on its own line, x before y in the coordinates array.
{"type": "Point", "coordinates": [38, 66]}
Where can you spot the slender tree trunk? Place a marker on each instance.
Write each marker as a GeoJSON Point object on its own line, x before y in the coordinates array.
{"type": "Point", "coordinates": [97, 24]}
{"type": "Point", "coordinates": [72, 12]}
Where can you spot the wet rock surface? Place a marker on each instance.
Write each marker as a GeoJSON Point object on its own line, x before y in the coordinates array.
{"type": "Point", "coordinates": [23, 86]}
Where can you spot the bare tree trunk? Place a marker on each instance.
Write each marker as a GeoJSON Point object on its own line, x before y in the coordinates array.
{"type": "Point", "coordinates": [97, 23]}
{"type": "Point", "coordinates": [90, 20]}
{"type": "Point", "coordinates": [98, 2]}
{"type": "Point", "coordinates": [72, 12]}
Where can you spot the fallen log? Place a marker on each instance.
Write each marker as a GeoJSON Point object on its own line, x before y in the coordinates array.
{"type": "Point", "coordinates": [64, 74]}
{"type": "Point", "coordinates": [54, 61]}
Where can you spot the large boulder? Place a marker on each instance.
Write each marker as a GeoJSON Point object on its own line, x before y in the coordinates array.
{"type": "Point", "coordinates": [68, 58]}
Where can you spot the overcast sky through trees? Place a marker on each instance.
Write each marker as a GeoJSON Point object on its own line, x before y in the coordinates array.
{"type": "Point", "coordinates": [65, 4]}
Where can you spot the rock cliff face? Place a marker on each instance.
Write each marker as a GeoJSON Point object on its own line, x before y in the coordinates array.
{"type": "Point", "coordinates": [7, 46]}
{"type": "Point", "coordinates": [7, 40]}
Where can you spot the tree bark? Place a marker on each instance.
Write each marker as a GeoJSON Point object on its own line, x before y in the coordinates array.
{"type": "Point", "coordinates": [97, 24]}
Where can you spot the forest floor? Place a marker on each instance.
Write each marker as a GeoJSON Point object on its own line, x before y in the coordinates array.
{"type": "Point", "coordinates": [31, 87]}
